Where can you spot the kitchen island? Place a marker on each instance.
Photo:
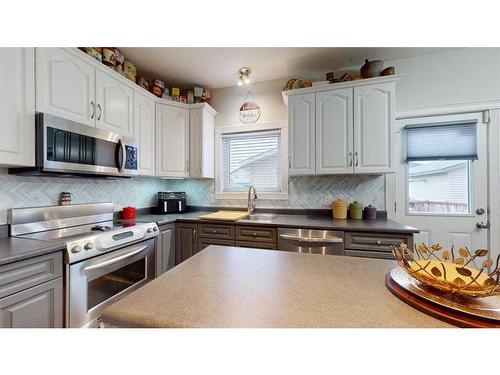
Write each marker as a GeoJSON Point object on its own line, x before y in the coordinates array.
{"type": "Point", "coordinates": [241, 287]}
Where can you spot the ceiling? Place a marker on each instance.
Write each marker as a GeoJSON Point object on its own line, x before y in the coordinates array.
{"type": "Point", "coordinates": [218, 67]}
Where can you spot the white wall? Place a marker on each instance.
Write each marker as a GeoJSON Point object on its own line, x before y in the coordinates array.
{"type": "Point", "coordinates": [227, 102]}
{"type": "Point", "coordinates": [456, 76]}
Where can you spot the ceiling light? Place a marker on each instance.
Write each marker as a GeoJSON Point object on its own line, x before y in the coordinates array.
{"type": "Point", "coordinates": [244, 76]}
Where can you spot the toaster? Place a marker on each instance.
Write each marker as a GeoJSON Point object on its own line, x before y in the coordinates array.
{"type": "Point", "coordinates": [171, 202]}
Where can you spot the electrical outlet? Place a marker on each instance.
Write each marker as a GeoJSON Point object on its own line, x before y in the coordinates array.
{"type": "Point", "coordinates": [326, 199]}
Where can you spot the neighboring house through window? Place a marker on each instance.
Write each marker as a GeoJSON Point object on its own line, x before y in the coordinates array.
{"type": "Point", "coordinates": [251, 155]}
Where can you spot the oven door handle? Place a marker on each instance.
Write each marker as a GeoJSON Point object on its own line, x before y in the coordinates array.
{"type": "Point", "coordinates": [311, 239]}
{"type": "Point", "coordinates": [119, 258]}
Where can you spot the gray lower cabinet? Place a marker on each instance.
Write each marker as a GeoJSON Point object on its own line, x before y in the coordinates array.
{"type": "Point", "coordinates": [165, 249]}
{"type": "Point", "coordinates": [38, 307]}
{"type": "Point", "coordinates": [374, 245]}
{"type": "Point", "coordinates": [186, 241]}
{"type": "Point", "coordinates": [31, 292]}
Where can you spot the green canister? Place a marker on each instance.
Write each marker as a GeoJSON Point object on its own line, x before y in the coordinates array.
{"type": "Point", "coordinates": [356, 210]}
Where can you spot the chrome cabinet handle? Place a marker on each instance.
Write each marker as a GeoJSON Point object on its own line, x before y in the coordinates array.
{"type": "Point", "coordinates": [187, 165]}
{"type": "Point", "coordinates": [356, 157]}
{"type": "Point", "coordinates": [483, 225]}
{"type": "Point", "coordinates": [311, 239]}
{"type": "Point", "coordinates": [93, 109]}
{"type": "Point", "coordinates": [100, 112]}
{"type": "Point", "coordinates": [350, 159]}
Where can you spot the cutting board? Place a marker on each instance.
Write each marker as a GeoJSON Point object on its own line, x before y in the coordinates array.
{"type": "Point", "coordinates": [225, 215]}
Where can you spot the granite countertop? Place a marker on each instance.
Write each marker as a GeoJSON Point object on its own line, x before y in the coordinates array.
{"type": "Point", "coordinates": [293, 221]}
{"type": "Point", "coordinates": [13, 249]}
{"type": "Point", "coordinates": [237, 287]}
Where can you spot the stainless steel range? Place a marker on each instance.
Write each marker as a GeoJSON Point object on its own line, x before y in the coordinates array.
{"type": "Point", "coordinates": [104, 259]}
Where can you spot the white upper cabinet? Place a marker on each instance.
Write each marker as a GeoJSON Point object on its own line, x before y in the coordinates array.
{"type": "Point", "coordinates": [301, 134]}
{"type": "Point", "coordinates": [374, 110]}
{"type": "Point", "coordinates": [17, 107]}
{"type": "Point", "coordinates": [201, 143]}
{"type": "Point", "coordinates": [172, 141]}
{"type": "Point", "coordinates": [144, 132]}
{"type": "Point", "coordinates": [334, 132]}
{"type": "Point", "coordinates": [114, 105]}
{"type": "Point", "coordinates": [342, 128]}
{"type": "Point", "coordinates": [65, 85]}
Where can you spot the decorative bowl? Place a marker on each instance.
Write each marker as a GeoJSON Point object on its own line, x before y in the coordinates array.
{"type": "Point", "coordinates": [442, 270]}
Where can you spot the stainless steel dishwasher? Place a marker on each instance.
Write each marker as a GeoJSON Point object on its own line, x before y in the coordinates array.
{"type": "Point", "coordinates": [311, 241]}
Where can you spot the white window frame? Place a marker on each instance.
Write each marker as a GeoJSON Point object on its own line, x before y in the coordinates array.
{"type": "Point", "coordinates": [220, 131]}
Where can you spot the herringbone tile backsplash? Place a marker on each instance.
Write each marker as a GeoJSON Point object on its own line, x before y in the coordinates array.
{"type": "Point", "coordinates": [305, 192]}
{"type": "Point", "coordinates": [24, 191]}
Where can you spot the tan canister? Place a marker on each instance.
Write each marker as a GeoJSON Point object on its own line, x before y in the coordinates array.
{"type": "Point", "coordinates": [339, 209]}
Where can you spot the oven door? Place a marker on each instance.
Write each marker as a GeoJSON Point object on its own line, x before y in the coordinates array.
{"type": "Point", "coordinates": [96, 283]}
{"type": "Point", "coordinates": [69, 147]}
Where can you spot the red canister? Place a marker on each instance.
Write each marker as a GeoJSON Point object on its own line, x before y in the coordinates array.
{"type": "Point", "coordinates": [128, 213]}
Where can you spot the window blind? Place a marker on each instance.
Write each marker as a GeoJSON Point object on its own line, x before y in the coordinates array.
{"type": "Point", "coordinates": [445, 141]}
{"type": "Point", "coordinates": [251, 158]}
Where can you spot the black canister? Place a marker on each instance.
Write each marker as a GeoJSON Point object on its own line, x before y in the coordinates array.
{"type": "Point", "coordinates": [370, 213]}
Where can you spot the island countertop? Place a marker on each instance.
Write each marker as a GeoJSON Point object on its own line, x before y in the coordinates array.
{"type": "Point", "coordinates": [240, 287]}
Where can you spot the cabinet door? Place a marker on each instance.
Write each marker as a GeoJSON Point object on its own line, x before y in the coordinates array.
{"type": "Point", "coordinates": [374, 107]}
{"type": "Point", "coordinates": [301, 133]}
{"type": "Point", "coordinates": [172, 141]}
{"type": "Point", "coordinates": [165, 254]}
{"type": "Point", "coordinates": [37, 307]}
{"type": "Point", "coordinates": [186, 241]}
{"type": "Point", "coordinates": [17, 107]}
{"type": "Point", "coordinates": [65, 85]}
{"type": "Point", "coordinates": [196, 143]}
{"type": "Point", "coordinates": [144, 133]}
{"type": "Point", "coordinates": [334, 132]}
{"type": "Point", "coordinates": [206, 242]}
{"type": "Point", "coordinates": [114, 102]}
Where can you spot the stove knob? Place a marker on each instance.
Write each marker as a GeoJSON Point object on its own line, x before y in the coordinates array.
{"type": "Point", "coordinates": [89, 246]}
{"type": "Point", "coordinates": [150, 230]}
{"type": "Point", "coordinates": [155, 229]}
{"type": "Point", "coordinates": [76, 249]}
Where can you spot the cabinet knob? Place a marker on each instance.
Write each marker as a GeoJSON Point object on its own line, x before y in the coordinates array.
{"type": "Point", "coordinates": [215, 231]}
{"type": "Point", "coordinates": [254, 234]}
{"type": "Point", "coordinates": [379, 242]}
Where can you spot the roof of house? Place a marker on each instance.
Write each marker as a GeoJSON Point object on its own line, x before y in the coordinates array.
{"type": "Point", "coordinates": [439, 166]}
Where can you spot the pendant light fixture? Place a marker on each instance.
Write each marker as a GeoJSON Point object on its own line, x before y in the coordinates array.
{"type": "Point", "coordinates": [244, 76]}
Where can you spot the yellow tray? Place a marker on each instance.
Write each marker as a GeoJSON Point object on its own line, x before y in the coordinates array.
{"type": "Point", "coordinates": [225, 215]}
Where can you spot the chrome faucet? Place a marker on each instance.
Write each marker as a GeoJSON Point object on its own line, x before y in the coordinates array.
{"type": "Point", "coordinates": [252, 201]}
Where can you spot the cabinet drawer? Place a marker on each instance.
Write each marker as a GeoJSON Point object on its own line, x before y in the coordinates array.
{"type": "Point", "coordinates": [18, 276]}
{"type": "Point", "coordinates": [37, 307]}
{"type": "Point", "coordinates": [256, 245]}
{"type": "Point", "coordinates": [206, 242]}
{"type": "Point", "coordinates": [256, 234]}
{"type": "Point", "coordinates": [216, 231]}
{"type": "Point", "coordinates": [369, 254]}
{"type": "Point", "coordinates": [376, 241]}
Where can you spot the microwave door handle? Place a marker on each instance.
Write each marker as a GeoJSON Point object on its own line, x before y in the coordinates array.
{"type": "Point", "coordinates": [108, 262]}
{"type": "Point", "coordinates": [120, 155]}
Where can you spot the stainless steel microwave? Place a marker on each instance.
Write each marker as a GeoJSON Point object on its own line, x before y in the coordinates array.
{"type": "Point", "coordinates": [67, 147]}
